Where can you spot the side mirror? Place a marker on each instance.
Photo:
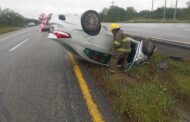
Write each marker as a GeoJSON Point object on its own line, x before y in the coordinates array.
{"type": "Point", "coordinates": [52, 36]}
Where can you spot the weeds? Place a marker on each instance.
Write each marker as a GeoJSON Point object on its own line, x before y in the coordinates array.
{"type": "Point", "coordinates": [144, 103]}
{"type": "Point", "coordinates": [181, 75]}
{"type": "Point", "coordinates": [179, 68]}
{"type": "Point", "coordinates": [6, 29]}
{"type": "Point", "coordinates": [147, 93]}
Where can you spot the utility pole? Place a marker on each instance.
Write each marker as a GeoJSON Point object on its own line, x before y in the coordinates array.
{"type": "Point", "coordinates": [152, 5]}
{"type": "Point", "coordinates": [188, 4]}
{"type": "Point", "coordinates": [112, 3]}
{"type": "Point", "coordinates": [171, 2]}
{"type": "Point", "coordinates": [164, 17]}
{"type": "Point", "coordinates": [0, 8]}
{"type": "Point", "coordinates": [174, 18]}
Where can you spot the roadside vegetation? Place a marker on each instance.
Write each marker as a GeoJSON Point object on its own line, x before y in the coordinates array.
{"type": "Point", "coordinates": [7, 29]}
{"type": "Point", "coordinates": [11, 20]}
{"type": "Point", "coordinates": [118, 14]}
{"type": "Point", "coordinates": [148, 93]}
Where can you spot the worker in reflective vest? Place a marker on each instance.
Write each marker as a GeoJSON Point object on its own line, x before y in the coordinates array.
{"type": "Point", "coordinates": [121, 48]}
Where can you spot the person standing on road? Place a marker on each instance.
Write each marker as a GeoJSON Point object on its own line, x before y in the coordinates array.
{"type": "Point", "coordinates": [121, 48]}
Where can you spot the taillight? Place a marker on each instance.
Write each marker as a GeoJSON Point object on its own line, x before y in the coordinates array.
{"type": "Point", "coordinates": [61, 34]}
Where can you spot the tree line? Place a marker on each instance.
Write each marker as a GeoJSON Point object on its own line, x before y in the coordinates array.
{"type": "Point", "coordinates": [115, 14]}
{"type": "Point", "coordinates": [10, 18]}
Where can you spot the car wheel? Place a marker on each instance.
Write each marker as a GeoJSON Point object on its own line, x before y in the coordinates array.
{"type": "Point", "coordinates": [148, 47]}
{"type": "Point", "coordinates": [90, 22]}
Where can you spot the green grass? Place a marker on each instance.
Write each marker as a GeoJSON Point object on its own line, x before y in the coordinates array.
{"type": "Point", "coordinates": [144, 103]}
{"type": "Point", "coordinates": [7, 29]}
{"type": "Point", "coordinates": [177, 75]}
{"type": "Point", "coordinates": [179, 68]}
{"type": "Point", "coordinates": [179, 72]}
{"type": "Point", "coordinates": [181, 75]}
{"type": "Point", "coordinates": [147, 93]}
{"type": "Point", "coordinates": [182, 88]}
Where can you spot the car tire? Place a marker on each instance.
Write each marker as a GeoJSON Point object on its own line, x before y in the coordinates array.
{"type": "Point", "coordinates": [90, 22]}
{"type": "Point", "coordinates": [148, 47]}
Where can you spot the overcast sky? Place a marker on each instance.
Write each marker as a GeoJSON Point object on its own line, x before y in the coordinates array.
{"type": "Point", "coordinates": [32, 8]}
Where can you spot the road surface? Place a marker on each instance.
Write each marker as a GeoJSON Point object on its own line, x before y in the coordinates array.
{"type": "Point", "coordinates": [38, 84]}
{"type": "Point", "coordinates": [173, 32]}
{"type": "Point", "coordinates": [170, 32]}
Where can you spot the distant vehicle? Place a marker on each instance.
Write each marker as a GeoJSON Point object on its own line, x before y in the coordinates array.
{"type": "Point", "coordinates": [44, 20]}
{"type": "Point", "coordinates": [44, 26]}
{"type": "Point", "coordinates": [30, 24]}
{"type": "Point", "coordinates": [85, 37]}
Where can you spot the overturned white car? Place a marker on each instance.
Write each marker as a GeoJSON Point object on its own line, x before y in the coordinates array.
{"type": "Point", "coordinates": [85, 37]}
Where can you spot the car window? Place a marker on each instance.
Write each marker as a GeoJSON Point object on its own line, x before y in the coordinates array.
{"type": "Point", "coordinates": [62, 17]}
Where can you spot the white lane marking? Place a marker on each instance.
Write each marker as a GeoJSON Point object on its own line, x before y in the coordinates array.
{"type": "Point", "coordinates": [12, 49]}
{"type": "Point", "coordinates": [188, 29]}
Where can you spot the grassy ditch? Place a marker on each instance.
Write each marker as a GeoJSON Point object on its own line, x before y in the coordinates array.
{"type": "Point", "coordinates": [148, 93]}
{"type": "Point", "coordinates": [7, 29]}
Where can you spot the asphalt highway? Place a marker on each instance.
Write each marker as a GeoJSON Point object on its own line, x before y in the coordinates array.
{"type": "Point", "coordinates": [179, 33]}
{"type": "Point", "coordinates": [38, 84]}
{"type": "Point", "coordinates": [173, 32]}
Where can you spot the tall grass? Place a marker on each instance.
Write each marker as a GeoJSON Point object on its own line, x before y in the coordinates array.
{"type": "Point", "coordinates": [143, 103]}
{"type": "Point", "coordinates": [181, 74]}
{"type": "Point", "coordinates": [147, 93]}
{"type": "Point", "coordinates": [7, 29]}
